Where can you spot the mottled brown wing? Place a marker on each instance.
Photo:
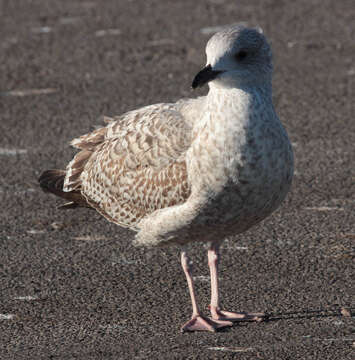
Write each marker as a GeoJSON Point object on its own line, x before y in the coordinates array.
{"type": "Point", "coordinates": [133, 166]}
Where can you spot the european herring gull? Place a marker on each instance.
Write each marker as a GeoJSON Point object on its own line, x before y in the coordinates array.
{"type": "Point", "coordinates": [195, 170]}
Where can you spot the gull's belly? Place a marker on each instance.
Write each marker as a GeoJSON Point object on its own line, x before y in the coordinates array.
{"type": "Point", "coordinates": [254, 183]}
{"type": "Point", "coordinates": [252, 200]}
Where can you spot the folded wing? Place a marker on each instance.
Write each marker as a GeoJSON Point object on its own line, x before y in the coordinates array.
{"type": "Point", "coordinates": [133, 166]}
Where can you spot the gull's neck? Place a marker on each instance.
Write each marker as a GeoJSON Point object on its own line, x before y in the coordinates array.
{"type": "Point", "coordinates": [258, 89]}
{"type": "Point", "coordinates": [233, 104]}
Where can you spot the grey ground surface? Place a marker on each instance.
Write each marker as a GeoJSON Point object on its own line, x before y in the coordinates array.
{"type": "Point", "coordinates": [72, 285]}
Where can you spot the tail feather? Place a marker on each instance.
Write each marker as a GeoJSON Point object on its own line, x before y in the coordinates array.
{"type": "Point", "coordinates": [52, 181]}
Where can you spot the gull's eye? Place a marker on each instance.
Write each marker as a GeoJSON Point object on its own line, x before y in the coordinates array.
{"type": "Point", "coordinates": [242, 54]}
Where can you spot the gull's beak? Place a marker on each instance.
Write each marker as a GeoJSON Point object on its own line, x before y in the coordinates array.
{"type": "Point", "coordinates": [204, 76]}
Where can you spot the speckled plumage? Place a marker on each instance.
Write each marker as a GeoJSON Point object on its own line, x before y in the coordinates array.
{"type": "Point", "coordinates": [196, 169]}
{"type": "Point", "coordinates": [135, 165]}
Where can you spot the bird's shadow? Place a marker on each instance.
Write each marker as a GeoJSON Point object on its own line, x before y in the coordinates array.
{"type": "Point", "coordinates": [309, 314]}
{"type": "Point", "coordinates": [301, 314]}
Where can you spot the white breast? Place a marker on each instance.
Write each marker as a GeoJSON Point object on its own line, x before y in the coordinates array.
{"type": "Point", "coordinates": [241, 162]}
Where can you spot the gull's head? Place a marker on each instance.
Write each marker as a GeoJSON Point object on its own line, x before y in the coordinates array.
{"type": "Point", "coordinates": [237, 56]}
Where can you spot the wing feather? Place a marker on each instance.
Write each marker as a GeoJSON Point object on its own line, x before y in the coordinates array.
{"type": "Point", "coordinates": [135, 165]}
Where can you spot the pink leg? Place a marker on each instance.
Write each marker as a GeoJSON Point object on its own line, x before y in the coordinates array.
{"type": "Point", "coordinates": [197, 322]}
{"type": "Point", "coordinates": [217, 314]}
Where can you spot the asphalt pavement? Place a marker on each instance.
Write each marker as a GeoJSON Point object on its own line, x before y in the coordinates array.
{"type": "Point", "coordinates": [72, 285]}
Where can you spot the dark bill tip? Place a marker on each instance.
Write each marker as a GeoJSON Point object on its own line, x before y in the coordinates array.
{"type": "Point", "coordinates": [204, 76]}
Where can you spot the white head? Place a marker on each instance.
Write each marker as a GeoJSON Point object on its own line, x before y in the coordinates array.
{"type": "Point", "coordinates": [237, 56]}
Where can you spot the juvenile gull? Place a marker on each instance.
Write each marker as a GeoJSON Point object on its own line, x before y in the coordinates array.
{"type": "Point", "coordinates": [195, 170]}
